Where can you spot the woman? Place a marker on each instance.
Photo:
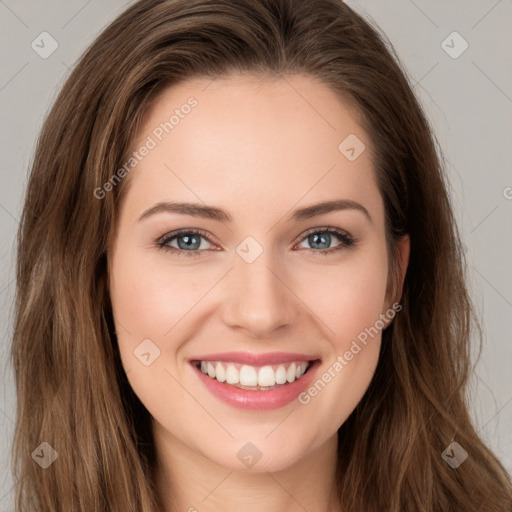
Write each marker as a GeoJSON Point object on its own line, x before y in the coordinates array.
{"type": "Point", "coordinates": [263, 370]}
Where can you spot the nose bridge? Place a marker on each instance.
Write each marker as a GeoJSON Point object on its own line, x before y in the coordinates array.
{"type": "Point", "coordinates": [259, 301]}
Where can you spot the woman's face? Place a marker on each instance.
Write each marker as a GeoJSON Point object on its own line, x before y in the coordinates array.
{"type": "Point", "coordinates": [262, 278]}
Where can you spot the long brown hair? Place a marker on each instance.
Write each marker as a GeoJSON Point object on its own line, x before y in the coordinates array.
{"type": "Point", "coordinates": [71, 387]}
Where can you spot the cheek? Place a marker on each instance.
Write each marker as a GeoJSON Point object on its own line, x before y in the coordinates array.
{"type": "Point", "coordinates": [149, 298]}
{"type": "Point", "coordinates": [346, 298]}
{"type": "Point", "coordinates": [349, 300]}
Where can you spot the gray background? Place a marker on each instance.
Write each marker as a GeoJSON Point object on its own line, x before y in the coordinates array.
{"type": "Point", "coordinates": [468, 100]}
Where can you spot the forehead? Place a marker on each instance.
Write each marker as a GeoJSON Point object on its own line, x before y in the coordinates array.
{"type": "Point", "coordinates": [251, 143]}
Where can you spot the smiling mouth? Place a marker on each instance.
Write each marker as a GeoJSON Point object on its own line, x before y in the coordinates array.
{"type": "Point", "coordinates": [254, 378]}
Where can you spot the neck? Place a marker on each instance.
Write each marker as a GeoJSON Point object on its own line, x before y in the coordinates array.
{"type": "Point", "coordinates": [189, 482]}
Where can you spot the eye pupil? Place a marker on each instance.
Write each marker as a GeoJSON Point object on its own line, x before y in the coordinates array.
{"type": "Point", "coordinates": [316, 238]}
{"type": "Point", "coordinates": [190, 242]}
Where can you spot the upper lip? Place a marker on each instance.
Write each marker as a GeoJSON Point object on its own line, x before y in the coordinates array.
{"type": "Point", "coordinates": [255, 359]}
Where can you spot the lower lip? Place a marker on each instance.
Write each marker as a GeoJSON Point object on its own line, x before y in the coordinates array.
{"type": "Point", "coordinates": [259, 400]}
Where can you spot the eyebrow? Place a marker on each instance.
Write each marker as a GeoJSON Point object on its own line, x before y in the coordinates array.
{"type": "Point", "coordinates": [214, 213]}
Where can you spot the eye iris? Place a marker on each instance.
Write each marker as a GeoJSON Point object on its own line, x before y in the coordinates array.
{"type": "Point", "coordinates": [316, 238]}
{"type": "Point", "coordinates": [190, 242]}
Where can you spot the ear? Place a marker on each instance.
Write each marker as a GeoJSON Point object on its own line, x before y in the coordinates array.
{"type": "Point", "coordinates": [396, 279]}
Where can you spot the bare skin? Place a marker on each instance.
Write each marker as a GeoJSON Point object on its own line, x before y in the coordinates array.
{"type": "Point", "coordinates": [259, 149]}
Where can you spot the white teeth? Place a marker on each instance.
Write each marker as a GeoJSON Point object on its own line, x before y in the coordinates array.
{"type": "Point", "coordinates": [266, 377]}
{"type": "Point", "coordinates": [220, 373]}
{"type": "Point", "coordinates": [245, 375]}
{"type": "Point", "coordinates": [291, 374]}
{"type": "Point", "coordinates": [280, 375]}
{"type": "Point", "coordinates": [248, 376]}
{"type": "Point", "coordinates": [232, 375]}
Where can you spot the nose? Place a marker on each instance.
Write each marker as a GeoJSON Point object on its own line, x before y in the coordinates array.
{"type": "Point", "coordinates": [259, 298]}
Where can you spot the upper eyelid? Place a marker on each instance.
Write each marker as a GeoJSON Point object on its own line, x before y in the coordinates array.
{"type": "Point", "coordinates": [175, 234]}
{"type": "Point", "coordinates": [321, 229]}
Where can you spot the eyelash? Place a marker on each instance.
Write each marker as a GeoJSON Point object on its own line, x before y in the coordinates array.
{"type": "Point", "coordinates": [346, 239]}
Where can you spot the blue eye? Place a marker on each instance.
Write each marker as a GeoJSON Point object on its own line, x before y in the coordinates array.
{"type": "Point", "coordinates": [319, 237]}
{"type": "Point", "coordinates": [189, 241]}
